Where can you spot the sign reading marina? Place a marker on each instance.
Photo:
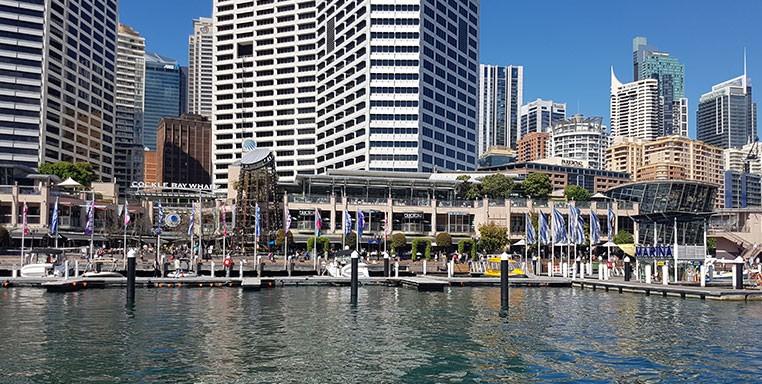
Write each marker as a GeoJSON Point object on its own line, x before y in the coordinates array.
{"type": "Point", "coordinates": [191, 186]}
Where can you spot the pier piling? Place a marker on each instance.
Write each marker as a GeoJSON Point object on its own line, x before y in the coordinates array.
{"type": "Point", "coordinates": [504, 285]}
{"type": "Point", "coordinates": [627, 269]}
{"type": "Point", "coordinates": [386, 265]}
{"type": "Point", "coordinates": [131, 276]}
{"type": "Point", "coordinates": [353, 277]}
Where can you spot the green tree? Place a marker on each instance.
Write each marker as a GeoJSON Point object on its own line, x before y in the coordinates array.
{"type": "Point", "coordinates": [80, 172]}
{"type": "Point", "coordinates": [398, 241]}
{"type": "Point", "coordinates": [350, 239]}
{"type": "Point", "coordinates": [5, 237]}
{"type": "Point", "coordinates": [623, 237]}
{"type": "Point", "coordinates": [470, 244]}
{"type": "Point", "coordinates": [711, 246]}
{"type": "Point", "coordinates": [279, 238]}
{"type": "Point", "coordinates": [493, 238]}
{"type": "Point", "coordinates": [576, 193]}
{"type": "Point", "coordinates": [416, 243]}
{"type": "Point", "coordinates": [444, 240]}
{"type": "Point", "coordinates": [537, 186]}
{"type": "Point", "coordinates": [323, 244]}
{"type": "Point", "coordinates": [497, 186]}
{"type": "Point", "coordinates": [467, 189]}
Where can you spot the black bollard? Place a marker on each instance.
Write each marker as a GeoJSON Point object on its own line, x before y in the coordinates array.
{"type": "Point", "coordinates": [386, 265]}
{"type": "Point", "coordinates": [165, 269]}
{"type": "Point", "coordinates": [131, 277]}
{"type": "Point", "coordinates": [738, 274]}
{"type": "Point", "coordinates": [504, 285]}
{"type": "Point", "coordinates": [353, 279]}
{"type": "Point", "coordinates": [627, 269]}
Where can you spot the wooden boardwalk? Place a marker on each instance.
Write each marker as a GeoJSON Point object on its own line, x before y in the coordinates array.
{"type": "Point", "coordinates": [682, 291]}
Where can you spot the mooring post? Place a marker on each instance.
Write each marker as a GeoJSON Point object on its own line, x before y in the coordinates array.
{"type": "Point", "coordinates": [564, 270]}
{"type": "Point", "coordinates": [353, 277]}
{"type": "Point", "coordinates": [424, 267]}
{"type": "Point", "coordinates": [386, 265]}
{"type": "Point", "coordinates": [131, 276]}
{"type": "Point", "coordinates": [504, 285]}
{"type": "Point", "coordinates": [76, 268]}
{"type": "Point", "coordinates": [627, 269]}
{"type": "Point", "coordinates": [396, 269]}
{"type": "Point", "coordinates": [648, 273]}
{"type": "Point", "coordinates": [738, 273]}
{"type": "Point", "coordinates": [550, 269]}
{"type": "Point", "coordinates": [240, 269]}
{"type": "Point", "coordinates": [211, 273]}
{"type": "Point", "coordinates": [665, 274]}
{"type": "Point", "coordinates": [66, 269]}
{"type": "Point", "coordinates": [702, 271]}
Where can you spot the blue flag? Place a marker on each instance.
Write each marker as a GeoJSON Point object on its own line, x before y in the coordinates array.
{"type": "Point", "coordinates": [159, 218]}
{"type": "Point", "coordinates": [559, 227]}
{"type": "Point", "coordinates": [360, 223]}
{"type": "Point", "coordinates": [531, 238]}
{"type": "Point", "coordinates": [542, 222]}
{"type": "Point", "coordinates": [257, 221]}
{"type": "Point", "coordinates": [611, 223]}
{"type": "Point", "coordinates": [90, 225]}
{"type": "Point", "coordinates": [595, 228]}
{"type": "Point", "coordinates": [576, 226]}
{"type": "Point", "coordinates": [54, 219]}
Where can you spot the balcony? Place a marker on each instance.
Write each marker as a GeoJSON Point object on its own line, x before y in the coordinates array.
{"type": "Point", "coordinates": [412, 202]}
{"type": "Point", "coordinates": [29, 191]}
{"type": "Point", "coordinates": [310, 199]}
{"type": "Point", "coordinates": [367, 201]}
{"type": "Point", "coordinates": [518, 202]}
{"type": "Point", "coordinates": [455, 203]}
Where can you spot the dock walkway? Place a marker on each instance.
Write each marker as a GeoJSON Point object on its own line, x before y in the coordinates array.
{"type": "Point", "coordinates": [683, 291]}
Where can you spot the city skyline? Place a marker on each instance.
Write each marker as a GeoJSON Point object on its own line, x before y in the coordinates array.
{"type": "Point", "coordinates": [552, 73]}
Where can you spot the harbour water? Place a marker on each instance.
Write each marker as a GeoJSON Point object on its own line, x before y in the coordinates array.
{"type": "Point", "coordinates": [394, 335]}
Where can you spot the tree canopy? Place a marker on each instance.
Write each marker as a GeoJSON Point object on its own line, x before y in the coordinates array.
{"type": "Point", "coordinates": [398, 241]}
{"type": "Point", "coordinates": [497, 186]}
{"type": "Point", "coordinates": [493, 238]}
{"type": "Point", "coordinates": [280, 237]}
{"type": "Point", "coordinates": [623, 237]}
{"type": "Point", "coordinates": [537, 185]}
{"type": "Point", "coordinates": [468, 190]}
{"type": "Point", "coordinates": [80, 172]}
{"type": "Point", "coordinates": [576, 193]}
{"type": "Point", "coordinates": [443, 240]}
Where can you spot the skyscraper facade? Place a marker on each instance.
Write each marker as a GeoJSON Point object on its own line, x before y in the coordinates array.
{"type": "Point", "coordinates": [580, 138]}
{"type": "Point", "coordinates": [635, 109]}
{"type": "Point", "coordinates": [648, 63]}
{"type": "Point", "coordinates": [59, 91]}
{"type": "Point", "coordinates": [200, 67]}
{"type": "Point", "coordinates": [397, 85]}
{"type": "Point", "coordinates": [727, 116]}
{"type": "Point", "coordinates": [162, 94]}
{"type": "Point", "coordinates": [130, 75]}
{"type": "Point", "coordinates": [264, 85]}
{"type": "Point", "coordinates": [183, 150]}
{"type": "Point", "coordinates": [540, 115]}
{"type": "Point", "coordinates": [500, 98]}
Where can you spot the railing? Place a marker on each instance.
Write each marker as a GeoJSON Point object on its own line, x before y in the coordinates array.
{"type": "Point", "coordinates": [455, 203]}
{"type": "Point", "coordinates": [367, 200]}
{"type": "Point", "coordinates": [540, 203]}
{"type": "Point", "coordinates": [582, 204]}
{"type": "Point", "coordinates": [6, 189]}
{"type": "Point", "coordinates": [560, 204]}
{"type": "Point", "coordinates": [411, 227]}
{"type": "Point", "coordinates": [319, 199]}
{"type": "Point", "coordinates": [518, 202]}
{"type": "Point", "coordinates": [625, 204]}
{"type": "Point", "coordinates": [496, 202]}
{"type": "Point", "coordinates": [29, 191]}
{"type": "Point", "coordinates": [411, 203]}
{"type": "Point", "coordinates": [459, 228]}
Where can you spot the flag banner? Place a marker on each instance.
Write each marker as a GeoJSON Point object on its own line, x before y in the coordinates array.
{"type": "Point", "coordinates": [611, 222]}
{"type": "Point", "coordinates": [192, 219]}
{"type": "Point", "coordinates": [576, 226]}
{"type": "Point", "coordinates": [54, 219]}
{"type": "Point", "coordinates": [347, 223]}
{"type": "Point", "coordinates": [542, 222]}
{"type": "Point", "coordinates": [529, 229]}
{"type": "Point", "coordinates": [90, 225]}
{"type": "Point", "coordinates": [318, 222]}
{"type": "Point", "coordinates": [595, 228]}
{"type": "Point", "coordinates": [24, 222]}
{"type": "Point", "coordinates": [257, 221]}
{"type": "Point", "coordinates": [559, 227]}
{"type": "Point", "coordinates": [224, 221]}
{"type": "Point", "coordinates": [159, 218]}
{"type": "Point", "coordinates": [360, 223]}
{"type": "Point", "coordinates": [127, 217]}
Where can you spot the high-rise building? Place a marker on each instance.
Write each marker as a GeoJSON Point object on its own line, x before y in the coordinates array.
{"type": "Point", "coordinates": [727, 116]}
{"type": "Point", "coordinates": [580, 138]}
{"type": "Point", "coordinates": [742, 190]}
{"type": "Point", "coordinates": [635, 109]}
{"type": "Point", "coordinates": [130, 75]}
{"type": "Point", "coordinates": [200, 67]}
{"type": "Point", "coordinates": [397, 85]}
{"type": "Point", "coordinates": [649, 63]}
{"type": "Point", "coordinates": [540, 115]}
{"type": "Point", "coordinates": [183, 153]}
{"type": "Point", "coordinates": [58, 92]}
{"type": "Point", "coordinates": [533, 146]}
{"type": "Point", "coordinates": [501, 92]}
{"type": "Point", "coordinates": [737, 158]}
{"type": "Point", "coordinates": [183, 90]}
{"type": "Point", "coordinates": [162, 94]}
{"type": "Point", "coordinates": [264, 85]}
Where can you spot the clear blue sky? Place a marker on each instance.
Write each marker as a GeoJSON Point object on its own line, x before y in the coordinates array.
{"type": "Point", "coordinates": [565, 46]}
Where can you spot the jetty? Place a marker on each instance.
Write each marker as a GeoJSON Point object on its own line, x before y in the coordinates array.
{"type": "Point", "coordinates": [682, 291]}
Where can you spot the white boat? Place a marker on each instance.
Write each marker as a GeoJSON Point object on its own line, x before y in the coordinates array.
{"type": "Point", "coordinates": [44, 262]}
{"type": "Point", "coordinates": [343, 268]}
{"type": "Point", "coordinates": [100, 268]}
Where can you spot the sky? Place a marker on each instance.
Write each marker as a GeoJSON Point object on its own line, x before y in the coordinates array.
{"type": "Point", "coordinates": [567, 47]}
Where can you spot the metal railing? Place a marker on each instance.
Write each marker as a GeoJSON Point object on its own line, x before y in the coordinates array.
{"type": "Point", "coordinates": [455, 203]}
{"type": "Point", "coordinates": [411, 202]}
{"type": "Point", "coordinates": [367, 200]}
{"type": "Point", "coordinates": [319, 199]}
{"type": "Point", "coordinates": [29, 191]}
{"type": "Point", "coordinates": [518, 202]}
{"type": "Point", "coordinates": [6, 189]}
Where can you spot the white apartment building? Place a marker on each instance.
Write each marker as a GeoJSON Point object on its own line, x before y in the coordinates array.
{"type": "Point", "coordinates": [264, 85]}
{"type": "Point", "coordinates": [57, 66]}
{"type": "Point", "coordinates": [397, 85]}
{"type": "Point", "coordinates": [735, 158]}
{"type": "Point", "coordinates": [540, 115]}
{"type": "Point", "coordinates": [130, 98]}
{"type": "Point", "coordinates": [580, 138]}
{"type": "Point", "coordinates": [501, 92]}
{"type": "Point", "coordinates": [635, 109]}
{"type": "Point", "coordinates": [200, 67]}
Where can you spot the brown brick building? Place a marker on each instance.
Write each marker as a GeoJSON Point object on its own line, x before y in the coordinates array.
{"type": "Point", "coordinates": [532, 146]}
{"type": "Point", "coordinates": [150, 167]}
{"type": "Point", "coordinates": [184, 150]}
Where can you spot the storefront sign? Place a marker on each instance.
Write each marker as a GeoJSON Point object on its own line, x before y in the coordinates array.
{"type": "Point", "coordinates": [414, 215]}
{"type": "Point", "coordinates": [143, 185]}
{"type": "Point", "coordinates": [654, 252]}
{"type": "Point", "coordinates": [306, 213]}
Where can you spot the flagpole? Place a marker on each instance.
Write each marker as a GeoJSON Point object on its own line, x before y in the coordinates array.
{"type": "Point", "coordinates": [23, 236]}
{"type": "Point", "coordinates": [552, 242]}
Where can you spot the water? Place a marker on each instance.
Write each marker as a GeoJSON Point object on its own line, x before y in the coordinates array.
{"type": "Point", "coordinates": [311, 335]}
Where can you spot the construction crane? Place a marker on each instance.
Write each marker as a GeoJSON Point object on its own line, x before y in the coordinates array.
{"type": "Point", "coordinates": [751, 156]}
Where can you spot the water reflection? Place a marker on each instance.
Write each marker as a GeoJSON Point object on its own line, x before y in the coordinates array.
{"type": "Point", "coordinates": [313, 335]}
